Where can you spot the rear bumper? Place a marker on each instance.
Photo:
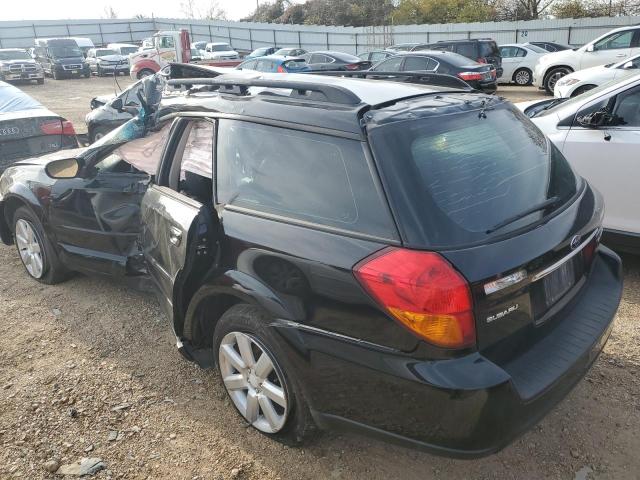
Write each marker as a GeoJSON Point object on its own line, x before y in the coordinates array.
{"type": "Point", "coordinates": [465, 407]}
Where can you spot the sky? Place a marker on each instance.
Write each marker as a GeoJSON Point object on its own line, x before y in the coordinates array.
{"type": "Point", "coordinates": [79, 9]}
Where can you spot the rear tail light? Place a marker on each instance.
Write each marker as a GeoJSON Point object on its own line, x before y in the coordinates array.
{"type": "Point", "coordinates": [589, 250]}
{"type": "Point", "coordinates": [423, 292]}
{"type": "Point", "coordinates": [353, 66]}
{"type": "Point", "coordinates": [67, 128]}
{"type": "Point", "coordinates": [470, 76]}
{"type": "Point", "coordinates": [57, 127]}
{"type": "Point", "coordinates": [281, 69]}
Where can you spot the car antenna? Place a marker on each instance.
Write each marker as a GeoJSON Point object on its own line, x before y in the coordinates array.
{"type": "Point", "coordinates": [115, 79]}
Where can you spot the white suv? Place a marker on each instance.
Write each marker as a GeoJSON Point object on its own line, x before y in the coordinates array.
{"type": "Point", "coordinates": [612, 47]}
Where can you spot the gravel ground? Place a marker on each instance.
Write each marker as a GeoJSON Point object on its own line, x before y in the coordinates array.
{"type": "Point", "coordinates": [89, 369]}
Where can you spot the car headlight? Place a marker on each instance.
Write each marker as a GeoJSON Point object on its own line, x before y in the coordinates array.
{"type": "Point", "coordinates": [565, 82]}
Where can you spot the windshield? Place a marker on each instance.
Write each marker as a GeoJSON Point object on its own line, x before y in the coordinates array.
{"type": "Point", "coordinates": [14, 55]}
{"type": "Point", "coordinates": [65, 52]}
{"type": "Point", "coordinates": [220, 48]}
{"type": "Point", "coordinates": [104, 53]}
{"type": "Point", "coordinates": [536, 48]}
{"type": "Point", "coordinates": [453, 178]}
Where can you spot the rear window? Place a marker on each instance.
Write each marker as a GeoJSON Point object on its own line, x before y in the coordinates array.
{"type": "Point", "coordinates": [489, 49]}
{"type": "Point", "coordinates": [468, 50]}
{"type": "Point", "coordinates": [453, 178]}
{"type": "Point", "coordinates": [301, 176]}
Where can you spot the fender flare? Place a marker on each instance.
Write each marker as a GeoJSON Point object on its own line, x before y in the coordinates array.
{"type": "Point", "coordinates": [145, 63]}
{"type": "Point", "coordinates": [234, 287]}
{"type": "Point", "coordinates": [17, 196]}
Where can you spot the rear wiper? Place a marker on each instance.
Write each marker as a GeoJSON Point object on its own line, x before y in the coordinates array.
{"type": "Point", "coordinates": [541, 206]}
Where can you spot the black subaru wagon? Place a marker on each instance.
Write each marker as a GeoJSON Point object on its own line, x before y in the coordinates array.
{"type": "Point", "coordinates": [414, 263]}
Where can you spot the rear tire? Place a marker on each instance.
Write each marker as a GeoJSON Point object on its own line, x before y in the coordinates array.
{"type": "Point", "coordinates": [40, 81]}
{"type": "Point", "coordinates": [523, 77]}
{"type": "Point", "coordinates": [251, 391]}
{"type": "Point", "coordinates": [552, 78]}
{"type": "Point", "coordinates": [145, 72]}
{"type": "Point", "coordinates": [97, 133]}
{"type": "Point", "coordinates": [35, 250]}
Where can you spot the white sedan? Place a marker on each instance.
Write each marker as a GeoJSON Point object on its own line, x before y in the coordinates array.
{"type": "Point", "coordinates": [518, 62]}
{"type": "Point", "coordinates": [599, 133]}
{"type": "Point", "coordinates": [583, 80]}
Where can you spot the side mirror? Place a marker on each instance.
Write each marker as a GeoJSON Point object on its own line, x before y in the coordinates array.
{"type": "Point", "coordinates": [64, 168]}
{"type": "Point", "coordinates": [598, 119]}
{"type": "Point", "coordinates": [591, 48]}
{"type": "Point", "coordinates": [117, 104]}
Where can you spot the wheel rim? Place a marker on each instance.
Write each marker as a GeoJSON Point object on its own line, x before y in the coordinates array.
{"type": "Point", "coordinates": [253, 382]}
{"type": "Point", "coordinates": [30, 248]}
{"type": "Point", "coordinates": [522, 77]}
{"type": "Point", "coordinates": [553, 79]}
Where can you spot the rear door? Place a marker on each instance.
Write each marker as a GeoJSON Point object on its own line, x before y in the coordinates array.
{"type": "Point", "coordinates": [179, 234]}
{"type": "Point", "coordinates": [511, 60]}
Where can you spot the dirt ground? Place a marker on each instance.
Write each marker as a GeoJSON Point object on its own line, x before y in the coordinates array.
{"type": "Point", "coordinates": [89, 369]}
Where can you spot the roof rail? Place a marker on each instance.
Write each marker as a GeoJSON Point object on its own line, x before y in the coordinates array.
{"type": "Point", "coordinates": [426, 78]}
{"type": "Point", "coordinates": [240, 86]}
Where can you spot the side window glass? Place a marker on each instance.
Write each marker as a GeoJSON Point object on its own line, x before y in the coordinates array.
{"type": "Point", "coordinates": [250, 65]}
{"type": "Point", "coordinates": [166, 42]}
{"type": "Point", "coordinates": [415, 64]}
{"type": "Point", "coordinates": [506, 52]}
{"type": "Point", "coordinates": [377, 57]}
{"type": "Point", "coordinates": [255, 173]}
{"type": "Point", "coordinates": [390, 65]}
{"type": "Point", "coordinates": [365, 56]}
{"type": "Point", "coordinates": [264, 66]}
{"type": "Point", "coordinates": [615, 41]}
{"type": "Point", "coordinates": [139, 155]}
{"type": "Point", "coordinates": [521, 52]}
{"type": "Point", "coordinates": [627, 108]}
{"type": "Point", "coordinates": [592, 108]}
{"type": "Point", "coordinates": [192, 170]}
{"type": "Point", "coordinates": [316, 58]}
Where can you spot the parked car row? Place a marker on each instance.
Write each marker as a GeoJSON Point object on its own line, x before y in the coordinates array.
{"type": "Point", "coordinates": [418, 244]}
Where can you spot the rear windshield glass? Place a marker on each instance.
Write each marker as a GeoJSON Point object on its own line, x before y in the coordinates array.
{"type": "Point", "coordinates": [455, 178]}
{"type": "Point", "coordinates": [457, 60]}
{"type": "Point", "coordinates": [345, 57]}
{"type": "Point", "coordinates": [488, 49]}
{"type": "Point", "coordinates": [468, 50]}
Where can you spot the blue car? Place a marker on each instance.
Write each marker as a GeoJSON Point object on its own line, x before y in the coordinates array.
{"type": "Point", "coordinates": [275, 64]}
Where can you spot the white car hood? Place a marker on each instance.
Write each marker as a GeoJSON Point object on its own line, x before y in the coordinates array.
{"type": "Point", "coordinates": [226, 52]}
{"type": "Point", "coordinates": [114, 58]}
{"type": "Point", "coordinates": [599, 73]}
{"type": "Point", "coordinates": [563, 56]}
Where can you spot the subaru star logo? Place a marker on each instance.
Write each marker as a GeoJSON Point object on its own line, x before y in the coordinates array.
{"type": "Point", "coordinates": [575, 241]}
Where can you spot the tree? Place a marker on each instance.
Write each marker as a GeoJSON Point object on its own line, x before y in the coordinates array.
{"type": "Point", "coordinates": [109, 12]}
{"type": "Point", "coordinates": [444, 11]}
{"type": "Point", "coordinates": [210, 11]}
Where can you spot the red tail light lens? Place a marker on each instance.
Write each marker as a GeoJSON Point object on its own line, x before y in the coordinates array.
{"type": "Point", "coordinates": [482, 60]}
{"type": "Point", "coordinates": [57, 127]}
{"type": "Point", "coordinates": [281, 69]}
{"type": "Point", "coordinates": [352, 66]}
{"type": "Point", "coordinates": [67, 128]}
{"type": "Point", "coordinates": [423, 292]}
{"type": "Point", "coordinates": [470, 75]}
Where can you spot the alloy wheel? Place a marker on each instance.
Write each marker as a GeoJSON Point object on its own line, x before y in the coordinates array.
{"type": "Point", "coordinates": [30, 248]}
{"type": "Point", "coordinates": [253, 381]}
{"type": "Point", "coordinates": [553, 79]}
{"type": "Point", "coordinates": [523, 77]}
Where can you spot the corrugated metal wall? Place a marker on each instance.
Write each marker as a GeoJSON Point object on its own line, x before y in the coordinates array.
{"type": "Point", "coordinates": [247, 36]}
